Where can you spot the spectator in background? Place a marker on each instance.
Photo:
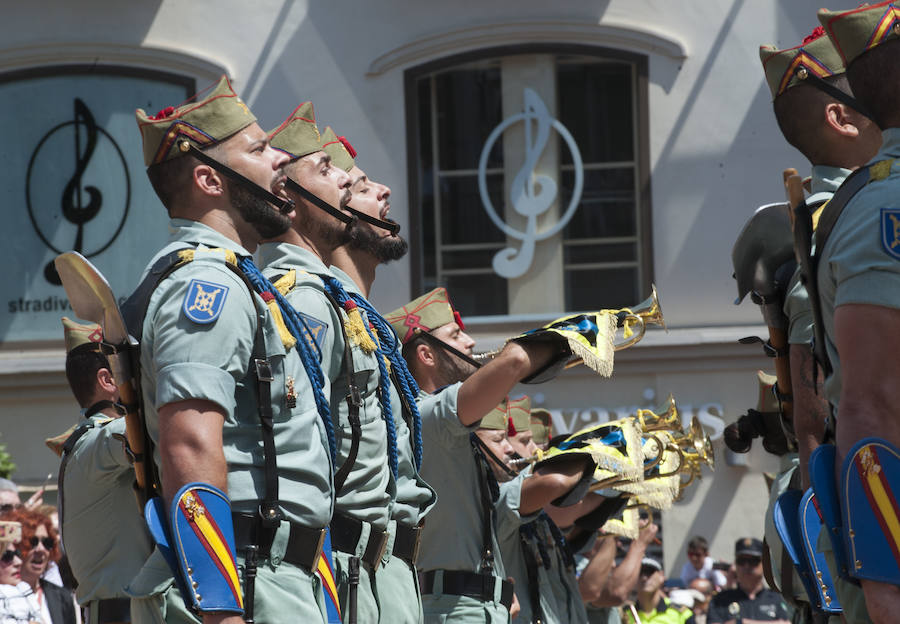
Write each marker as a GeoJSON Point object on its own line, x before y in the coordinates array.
{"type": "Point", "coordinates": [9, 495]}
{"type": "Point", "coordinates": [749, 601]}
{"type": "Point", "coordinates": [17, 601]}
{"type": "Point", "coordinates": [703, 587]}
{"type": "Point", "coordinates": [604, 586]}
{"type": "Point", "coordinates": [39, 546]}
{"type": "Point", "coordinates": [700, 564]}
{"type": "Point", "coordinates": [651, 606]}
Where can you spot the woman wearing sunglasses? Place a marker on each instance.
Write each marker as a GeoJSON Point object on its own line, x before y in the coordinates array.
{"type": "Point", "coordinates": [39, 546]}
{"type": "Point", "coordinates": [17, 601]}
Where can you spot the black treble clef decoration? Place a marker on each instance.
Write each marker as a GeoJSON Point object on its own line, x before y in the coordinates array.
{"type": "Point", "coordinates": [74, 209]}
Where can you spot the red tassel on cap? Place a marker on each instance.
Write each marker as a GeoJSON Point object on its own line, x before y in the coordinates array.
{"type": "Point", "coordinates": [815, 34]}
{"type": "Point", "coordinates": [458, 319]}
{"type": "Point", "coordinates": [510, 428]}
{"type": "Point", "coordinates": [347, 146]}
{"type": "Point", "coordinates": [168, 111]}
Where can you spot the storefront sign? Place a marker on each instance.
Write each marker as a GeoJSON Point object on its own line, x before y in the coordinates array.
{"type": "Point", "coordinates": [73, 179]}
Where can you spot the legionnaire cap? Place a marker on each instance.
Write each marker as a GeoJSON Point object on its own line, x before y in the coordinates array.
{"type": "Point", "coordinates": [78, 334]}
{"type": "Point", "coordinates": [857, 31]}
{"type": "Point", "coordinates": [749, 546]}
{"type": "Point", "coordinates": [519, 415]}
{"type": "Point", "coordinates": [792, 66]}
{"type": "Point", "coordinates": [10, 532]}
{"type": "Point", "coordinates": [298, 136]}
{"type": "Point", "coordinates": [540, 423]}
{"type": "Point", "coordinates": [205, 123]}
{"type": "Point", "coordinates": [496, 418]}
{"type": "Point", "coordinates": [428, 312]}
{"type": "Point", "coordinates": [339, 148]}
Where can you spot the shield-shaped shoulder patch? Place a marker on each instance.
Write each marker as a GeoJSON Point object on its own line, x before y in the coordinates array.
{"type": "Point", "coordinates": [890, 231]}
{"type": "Point", "coordinates": [204, 301]}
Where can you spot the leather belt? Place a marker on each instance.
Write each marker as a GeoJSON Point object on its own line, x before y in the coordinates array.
{"type": "Point", "coordinates": [109, 611]}
{"type": "Point", "coordinates": [303, 548]}
{"type": "Point", "coordinates": [471, 584]}
{"type": "Point", "coordinates": [406, 542]}
{"type": "Point", "coordinates": [345, 532]}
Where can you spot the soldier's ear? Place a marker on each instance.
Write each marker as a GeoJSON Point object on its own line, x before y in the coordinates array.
{"type": "Point", "coordinates": [106, 381]}
{"type": "Point", "coordinates": [842, 119]}
{"type": "Point", "coordinates": [425, 355]}
{"type": "Point", "coordinates": [208, 180]}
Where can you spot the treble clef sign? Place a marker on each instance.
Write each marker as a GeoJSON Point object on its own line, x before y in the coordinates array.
{"type": "Point", "coordinates": [531, 194]}
{"type": "Point", "coordinates": [74, 209]}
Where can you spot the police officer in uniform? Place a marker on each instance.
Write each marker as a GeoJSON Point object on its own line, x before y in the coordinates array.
{"type": "Point", "coordinates": [226, 399]}
{"type": "Point", "coordinates": [372, 243]}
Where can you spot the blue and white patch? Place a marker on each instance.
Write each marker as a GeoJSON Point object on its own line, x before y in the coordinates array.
{"type": "Point", "coordinates": [204, 301]}
{"type": "Point", "coordinates": [317, 330]}
{"type": "Point", "coordinates": [890, 231]}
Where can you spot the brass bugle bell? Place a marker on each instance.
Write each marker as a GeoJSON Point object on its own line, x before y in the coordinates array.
{"type": "Point", "coordinates": [645, 313]}
{"type": "Point", "coordinates": [665, 418]}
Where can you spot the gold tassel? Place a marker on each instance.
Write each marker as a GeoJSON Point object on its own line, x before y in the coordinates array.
{"type": "Point", "coordinates": [286, 282]}
{"type": "Point", "coordinates": [356, 329]}
{"type": "Point", "coordinates": [286, 338]}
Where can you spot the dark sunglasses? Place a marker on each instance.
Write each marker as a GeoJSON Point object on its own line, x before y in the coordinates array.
{"type": "Point", "coordinates": [8, 556]}
{"type": "Point", "coordinates": [48, 542]}
{"type": "Point", "coordinates": [748, 561]}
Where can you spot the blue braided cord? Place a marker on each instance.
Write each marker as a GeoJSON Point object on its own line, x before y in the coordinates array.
{"type": "Point", "coordinates": [299, 330]}
{"type": "Point", "coordinates": [336, 290]}
{"type": "Point", "coordinates": [408, 386]}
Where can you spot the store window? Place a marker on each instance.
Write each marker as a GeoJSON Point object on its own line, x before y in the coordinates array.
{"type": "Point", "coordinates": [554, 144]}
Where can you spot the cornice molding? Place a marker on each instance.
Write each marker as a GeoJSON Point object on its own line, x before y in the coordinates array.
{"type": "Point", "coordinates": [621, 35]}
{"type": "Point", "coordinates": [87, 53]}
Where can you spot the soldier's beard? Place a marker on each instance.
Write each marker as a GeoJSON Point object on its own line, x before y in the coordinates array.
{"type": "Point", "coordinates": [383, 249]}
{"type": "Point", "coordinates": [452, 369]}
{"type": "Point", "coordinates": [263, 217]}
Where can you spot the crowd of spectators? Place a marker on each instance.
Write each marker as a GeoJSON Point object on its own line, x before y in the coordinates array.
{"type": "Point", "coordinates": [707, 591]}
{"type": "Point", "coordinates": [32, 590]}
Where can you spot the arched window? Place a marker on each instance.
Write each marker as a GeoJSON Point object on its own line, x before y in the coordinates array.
{"type": "Point", "coordinates": [582, 123]}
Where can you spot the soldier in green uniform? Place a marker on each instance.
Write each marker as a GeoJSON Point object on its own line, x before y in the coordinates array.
{"type": "Point", "coordinates": [95, 494]}
{"type": "Point", "coordinates": [464, 579]}
{"type": "Point", "coordinates": [363, 418]}
{"type": "Point", "coordinates": [226, 397]}
{"type": "Point", "coordinates": [859, 269]}
{"type": "Point", "coordinates": [812, 105]}
{"type": "Point", "coordinates": [354, 264]}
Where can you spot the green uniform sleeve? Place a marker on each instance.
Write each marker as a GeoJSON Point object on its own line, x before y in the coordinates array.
{"type": "Point", "coordinates": [192, 360]}
{"type": "Point", "coordinates": [798, 312]}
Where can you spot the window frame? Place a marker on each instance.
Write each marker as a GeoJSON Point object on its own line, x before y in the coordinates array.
{"type": "Point", "coordinates": [642, 147]}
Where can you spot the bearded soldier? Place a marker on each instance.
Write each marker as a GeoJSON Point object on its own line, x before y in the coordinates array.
{"type": "Point", "coordinates": [374, 240]}
{"type": "Point", "coordinates": [245, 473]}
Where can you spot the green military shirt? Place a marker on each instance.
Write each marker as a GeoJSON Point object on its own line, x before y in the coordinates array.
{"type": "Point", "coordinates": [369, 488]}
{"type": "Point", "coordinates": [859, 263]}
{"type": "Point", "coordinates": [414, 497]}
{"type": "Point", "coordinates": [183, 359]}
{"type": "Point", "coordinates": [105, 537]}
{"type": "Point", "coordinates": [824, 182]}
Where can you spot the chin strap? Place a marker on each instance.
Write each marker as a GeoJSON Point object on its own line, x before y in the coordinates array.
{"type": "Point", "coordinates": [282, 204]}
{"type": "Point", "coordinates": [484, 449]}
{"type": "Point", "coordinates": [99, 406]}
{"type": "Point", "coordinates": [437, 342]}
{"type": "Point", "coordinates": [391, 226]}
{"type": "Point", "coordinates": [840, 96]}
{"type": "Point", "coordinates": [319, 202]}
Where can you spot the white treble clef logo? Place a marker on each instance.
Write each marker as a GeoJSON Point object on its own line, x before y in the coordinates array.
{"type": "Point", "coordinates": [531, 194]}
